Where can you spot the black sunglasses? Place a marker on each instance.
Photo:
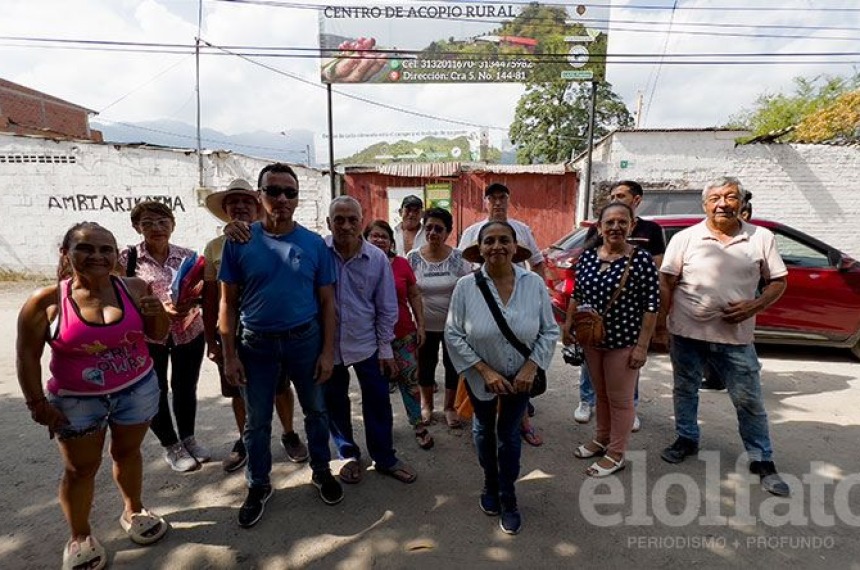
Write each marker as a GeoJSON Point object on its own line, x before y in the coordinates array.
{"type": "Point", "coordinates": [275, 191]}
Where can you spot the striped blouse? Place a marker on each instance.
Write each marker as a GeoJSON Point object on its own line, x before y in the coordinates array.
{"type": "Point", "coordinates": [472, 334]}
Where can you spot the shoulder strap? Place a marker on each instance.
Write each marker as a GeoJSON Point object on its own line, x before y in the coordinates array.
{"type": "Point", "coordinates": [622, 283]}
{"type": "Point", "coordinates": [481, 281]}
{"type": "Point", "coordinates": [131, 263]}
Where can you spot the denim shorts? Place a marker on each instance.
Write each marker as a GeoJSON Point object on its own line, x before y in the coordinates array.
{"type": "Point", "coordinates": [134, 405]}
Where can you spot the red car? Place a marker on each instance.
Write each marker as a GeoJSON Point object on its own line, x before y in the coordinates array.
{"type": "Point", "coordinates": [820, 307]}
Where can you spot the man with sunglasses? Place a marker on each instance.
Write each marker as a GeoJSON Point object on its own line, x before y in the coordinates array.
{"type": "Point", "coordinates": [281, 260]}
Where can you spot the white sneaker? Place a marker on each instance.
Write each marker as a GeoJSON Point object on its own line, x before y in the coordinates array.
{"type": "Point", "coordinates": [582, 414]}
{"type": "Point", "coordinates": [636, 425]}
{"type": "Point", "coordinates": [179, 459]}
{"type": "Point", "coordinates": [195, 450]}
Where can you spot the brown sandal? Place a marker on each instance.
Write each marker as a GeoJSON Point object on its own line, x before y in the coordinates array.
{"type": "Point", "coordinates": [424, 439]}
{"type": "Point", "coordinates": [352, 472]}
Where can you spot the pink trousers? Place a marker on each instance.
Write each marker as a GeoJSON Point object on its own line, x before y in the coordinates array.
{"type": "Point", "coordinates": [614, 384]}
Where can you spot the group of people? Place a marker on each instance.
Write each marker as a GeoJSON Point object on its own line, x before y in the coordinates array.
{"type": "Point", "coordinates": [282, 307]}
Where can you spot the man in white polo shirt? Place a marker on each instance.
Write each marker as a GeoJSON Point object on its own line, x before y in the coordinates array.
{"type": "Point", "coordinates": [709, 278]}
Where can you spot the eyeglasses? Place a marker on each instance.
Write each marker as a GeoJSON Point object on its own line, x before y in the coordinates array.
{"type": "Point", "coordinates": [160, 223]}
{"type": "Point", "coordinates": [729, 199]}
{"type": "Point", "coordinates": [434, 228]}
{"type": "Point", "coordinates": [275, 191]}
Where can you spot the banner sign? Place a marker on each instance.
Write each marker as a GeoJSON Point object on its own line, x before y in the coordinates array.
{"type": "Point", "coordinates": [438, 195]}
{"type": "Point", "coordinates": [463, 42]}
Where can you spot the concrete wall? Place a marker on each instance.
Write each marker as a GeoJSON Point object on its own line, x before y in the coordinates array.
{"type": "Point", "coordinates": [47, 186]}
{"type": "Point", "coordinates": [813, 188]}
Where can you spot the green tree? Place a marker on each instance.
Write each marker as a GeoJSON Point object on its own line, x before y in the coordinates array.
{"type": "Point", "coordinates": [774, 112]}
{"type": "Point", "coordinates": [551, 120]}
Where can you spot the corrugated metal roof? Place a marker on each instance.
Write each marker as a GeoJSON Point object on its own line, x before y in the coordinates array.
{"type": "Point", "coordinates": [555, 169]}
{"type": "Point", "coordinates": [420, 169]}
{"type": "Point", "coordinates": [440, 169]}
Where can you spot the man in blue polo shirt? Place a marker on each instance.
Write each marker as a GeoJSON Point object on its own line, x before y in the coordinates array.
{"type": "Point", "coordinates": [282, 260]}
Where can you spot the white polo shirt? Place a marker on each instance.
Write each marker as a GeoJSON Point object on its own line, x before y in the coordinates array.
{"type": "Point", "coordinates": [712, 274]}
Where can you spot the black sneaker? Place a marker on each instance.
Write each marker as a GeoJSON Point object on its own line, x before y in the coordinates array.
{"type": "Point", "coordinates": [489, 503]}
{"type": "Point", "coordinates": [511, 522]}
{"type": "Point", "coordinates": [770, 479]}
{"type": "Point", "coordinates": [297, 452]}
{"type": "Point", "coordinates": [254, 505]}
{"type": "Point", "coordinates": [330, 490]}
{"type": "Point", "coordinates": [680, 450]}
{"type": "Point", "coordinates": [238, 457]}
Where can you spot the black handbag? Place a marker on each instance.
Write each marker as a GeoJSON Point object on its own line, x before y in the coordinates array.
{"type": "Point", "coordinates": [539, 383]}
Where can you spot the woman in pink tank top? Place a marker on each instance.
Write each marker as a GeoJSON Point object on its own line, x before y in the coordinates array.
{"type": "Point", "coordinates": [102, 379]}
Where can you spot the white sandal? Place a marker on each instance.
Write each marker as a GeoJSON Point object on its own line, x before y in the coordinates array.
{"type": "Point", "coordinates": [145, 527]}
{"type": "Point", "coordinates": [596, 470]}
{"type": "Point", "coordinates": [583, 452]}
{"type": "Point", "coordinates": [87, 554]}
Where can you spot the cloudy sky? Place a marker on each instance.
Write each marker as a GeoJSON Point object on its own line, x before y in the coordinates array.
{"type": "Point", "coordinates": [241, 96]}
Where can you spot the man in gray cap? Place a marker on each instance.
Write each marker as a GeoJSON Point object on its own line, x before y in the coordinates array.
{"type": "Point", "coordinates": [239, 202]}
{"type": "Point", "coordinates": [409, 234]}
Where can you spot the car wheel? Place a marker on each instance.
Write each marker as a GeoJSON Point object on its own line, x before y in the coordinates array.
{"type": "Point", "coordinates": [855, 350]}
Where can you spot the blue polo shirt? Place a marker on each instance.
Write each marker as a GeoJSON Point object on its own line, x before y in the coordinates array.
{"type": "Point", "coordinates": [279, 276]}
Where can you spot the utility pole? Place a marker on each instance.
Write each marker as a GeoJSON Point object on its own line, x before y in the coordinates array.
{"type": "Point", "coordinates": [197, 91]}
{"type": "Point", "coordinates": [590, 139]}
{"type": "Point", "coordinates": [331, 173]}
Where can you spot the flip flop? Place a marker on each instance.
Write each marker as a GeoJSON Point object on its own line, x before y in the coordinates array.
{"type": "Point", "coordinates": [86, 554]}
{"type": "Point", "coordinates": [351, 473]}
{"type": "Point", "coordinates": [531, 437]}
{"type": "Point", "coordinates": [144, 527]}
{"type": "Point", "coordinates": [400, 471]}
{"type": "Point", "coordinates": [424, 439]}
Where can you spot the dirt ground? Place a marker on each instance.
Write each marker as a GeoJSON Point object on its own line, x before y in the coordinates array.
{"type": "Point", "coordinates": [707, 512]}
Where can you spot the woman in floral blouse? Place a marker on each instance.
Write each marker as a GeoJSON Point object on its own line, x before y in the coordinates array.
{"type": "Point", "coordinates": [156, 261]}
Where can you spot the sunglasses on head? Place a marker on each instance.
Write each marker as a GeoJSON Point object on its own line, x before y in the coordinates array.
{"type": "Point", "coordinates": [275, 191]}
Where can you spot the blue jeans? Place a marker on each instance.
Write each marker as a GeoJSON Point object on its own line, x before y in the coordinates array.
{"type": "Point", "coordinates": [740, 367]}
{"type": "Point", "coordinates": [586, 388]}
{"type": "Point", "coordinates": [267, 358]}
{"type": "Point", "coordinates": [496, 430]}
{"type": "Point", "coordinates": [375, 409]}
{"type": "Point", "coordinates": [134, 405]}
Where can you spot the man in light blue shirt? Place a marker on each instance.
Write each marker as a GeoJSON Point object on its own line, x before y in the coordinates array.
{"type": "Point", "coordinates": [366, 302]}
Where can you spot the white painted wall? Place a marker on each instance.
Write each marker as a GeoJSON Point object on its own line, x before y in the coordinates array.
{"type": "Point", "coordinates": [40, 200]}
{"type": "Point", "coordinates": [813, 188]}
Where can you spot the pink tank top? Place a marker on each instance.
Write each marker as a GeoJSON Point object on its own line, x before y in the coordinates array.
{"type": "Point", "coordinates": [90, 359]}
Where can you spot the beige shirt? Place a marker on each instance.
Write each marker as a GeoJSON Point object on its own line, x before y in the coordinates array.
{"type": "Point", "coordinates": [712, 274]}
{"type": "Point", "coordinates": [212, 253]}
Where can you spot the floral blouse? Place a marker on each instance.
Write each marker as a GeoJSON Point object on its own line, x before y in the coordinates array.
{"type": "Point", "coordinates": [160, 277]}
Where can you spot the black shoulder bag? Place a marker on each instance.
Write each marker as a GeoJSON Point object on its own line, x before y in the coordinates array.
{"type": "Point", "coordinates": [539, 383]}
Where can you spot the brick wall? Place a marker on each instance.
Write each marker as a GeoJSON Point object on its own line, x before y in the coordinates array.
{"type": "Point", "coordinates": [26, 111]}
{"type": "Point", "coordinates": [813, 188]}
{"type": "Point", "coordinates": [47, 186]}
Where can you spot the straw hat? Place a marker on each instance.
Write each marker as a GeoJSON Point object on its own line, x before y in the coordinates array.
{"type": "Point", "coordinates": [473, 254]}
{"type": "Point", "coordinates": [215, 201]}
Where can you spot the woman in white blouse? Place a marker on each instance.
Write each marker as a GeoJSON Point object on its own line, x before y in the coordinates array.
{"type": "Point", "coordinates": [498, 377]}
{"type": "Point", "coordinates": [437, 267]}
